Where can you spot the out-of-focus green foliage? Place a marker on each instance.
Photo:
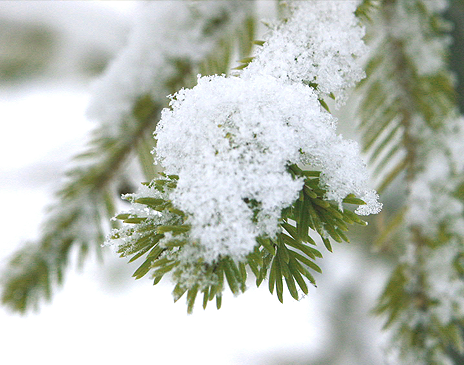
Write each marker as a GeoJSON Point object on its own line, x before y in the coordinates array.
{"type": "Point", "coordinates": [79, 219]}
{"type": "Point", "coordinates": [408, 105]}
{"type": "Point", "coordinates": [25, 49]}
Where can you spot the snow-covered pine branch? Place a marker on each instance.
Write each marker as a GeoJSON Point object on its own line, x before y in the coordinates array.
{"type": "Point", "coordinates": [127, 103]}
{"type": "Point", "coordinates": [413, 132]}
{"type": "Point", "coordinates": [230, 147]}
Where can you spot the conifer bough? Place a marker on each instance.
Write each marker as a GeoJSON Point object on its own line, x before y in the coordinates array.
{"type": "Point", "coordinates": [233, 197]}
{"type": "Point", "coordinates": [254, 169]}
{"type": "Point", "coordinates": [155, 229]}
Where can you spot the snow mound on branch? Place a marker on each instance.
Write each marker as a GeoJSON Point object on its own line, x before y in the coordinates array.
{"type": "Point", "coordinates": [320, 44]}
{"type": "Point", "coordinates": [230, 140]}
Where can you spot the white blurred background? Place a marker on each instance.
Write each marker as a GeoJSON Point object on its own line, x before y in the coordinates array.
{"type": "Point", "coordinates": [50, 52]}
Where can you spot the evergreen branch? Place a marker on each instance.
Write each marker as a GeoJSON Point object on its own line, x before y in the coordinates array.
{"type": "Point", "coordinates": [407, 113]}
{"type": "Point", "coordinates": [391, 228]}
{"type": "Point", "coordinates": [396, 91]}
{"type": "Point", "coordinates": [241, 212]}
{"type": "Point", "coordinates": [159, 235]}
{"type": "Point", "coordinates": [366, 9]}
{"type": "Point", "coordinates": [86, 201]}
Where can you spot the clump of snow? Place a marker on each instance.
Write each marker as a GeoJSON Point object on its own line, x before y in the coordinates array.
{"type": "Point", "coordinates": [165, 31]}
{"type": "Point", "coordinates": [321, 44]}
{"type": "Point", "coordinates": [342, 171]}
{"type": "Point", "coordinates": [230, 140]}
